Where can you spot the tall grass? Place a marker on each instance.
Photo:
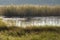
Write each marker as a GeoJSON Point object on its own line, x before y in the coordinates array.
{"type": "Point", "coordinates": [32, 33]}
{"type": "Point", "coordinates": [29, 11]}
{"type": "Point", "coordinates": [29, 33]}
{"type": "Point", "coordinates": [2, 24]}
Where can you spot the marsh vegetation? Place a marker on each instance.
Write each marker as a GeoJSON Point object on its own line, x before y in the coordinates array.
{"type": "Point", "coordinates": [46, 14]}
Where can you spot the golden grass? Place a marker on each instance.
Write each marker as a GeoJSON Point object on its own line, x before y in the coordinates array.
{"type": "Point", "coordinates": [16, 33]}
{"type": "Point", "coordinates": [29, 33]}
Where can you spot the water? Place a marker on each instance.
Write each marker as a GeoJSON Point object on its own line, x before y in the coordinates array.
{"type": "Point", "coordinates": [35, 21]}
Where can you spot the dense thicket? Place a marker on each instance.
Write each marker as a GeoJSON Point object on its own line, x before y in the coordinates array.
{"type": "Point", "coordinates": [29, 11]}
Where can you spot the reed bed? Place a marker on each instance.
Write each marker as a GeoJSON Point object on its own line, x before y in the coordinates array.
{"type": "Point", "coordinates": [29, 11]}
{"type": "Point", "coordinates": [29, 33]}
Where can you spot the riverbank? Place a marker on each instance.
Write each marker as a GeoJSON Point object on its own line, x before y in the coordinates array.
{"type": "Point", "coordinates": [30, 33]}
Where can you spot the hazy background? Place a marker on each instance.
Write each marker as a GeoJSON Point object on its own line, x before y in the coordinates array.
{"type": "Point", "coordinates": [35, 2]}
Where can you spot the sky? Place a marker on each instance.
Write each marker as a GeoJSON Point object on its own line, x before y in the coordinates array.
{"type": "Point", "coordinates": [35, 2]}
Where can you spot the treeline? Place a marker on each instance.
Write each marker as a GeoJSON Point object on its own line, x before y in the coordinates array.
{"type": "Point", "coordinates": [29, 11]}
